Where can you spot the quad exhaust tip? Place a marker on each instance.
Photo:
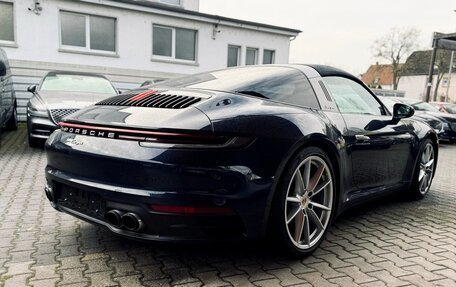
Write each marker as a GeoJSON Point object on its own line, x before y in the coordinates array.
{"type": "Point", "coordinates": [132, 221]}
{"type": "Point", "coordinates": [114, 217]}
{"type": "Point", "coordinates": [128, 220]}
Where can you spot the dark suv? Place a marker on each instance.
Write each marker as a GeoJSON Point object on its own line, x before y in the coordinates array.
{"type": "Point", "coordinates": [8, 103]}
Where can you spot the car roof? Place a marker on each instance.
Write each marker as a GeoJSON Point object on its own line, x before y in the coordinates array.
{"type": "Point", "coordinates": [328, 71]}
{"type": "Point", "coordinates": [56, 72]}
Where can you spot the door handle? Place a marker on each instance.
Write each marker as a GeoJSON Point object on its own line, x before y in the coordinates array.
{"type": "Point", "coordinates": [362, 138]}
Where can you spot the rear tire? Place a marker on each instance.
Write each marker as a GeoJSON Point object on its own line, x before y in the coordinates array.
{"type": "Point", "coordinates": [11, 124]}
{"type": "Point", "coordinates": [304, 203]}
{"type": "Point", "coordinates": [424, 171]}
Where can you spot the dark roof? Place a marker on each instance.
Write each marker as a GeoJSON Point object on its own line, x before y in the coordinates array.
{"type": "Point", "coordinates": [161, 6]}
{"type": "Point", "coordinates": [328, 71]}
{"type": "Point", "coordinates": [419, 61]}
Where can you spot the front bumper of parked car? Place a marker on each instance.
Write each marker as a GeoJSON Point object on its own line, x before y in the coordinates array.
{"type": "Point", "coordinates": [40, 127]}
{"type": "Point", "coordinates": [42, 123]}
{"type": "Point", "coordinates": [448, 132]}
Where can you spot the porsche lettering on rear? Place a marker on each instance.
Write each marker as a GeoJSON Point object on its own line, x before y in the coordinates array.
{"type": "Point", "coordinates": [89, 132]}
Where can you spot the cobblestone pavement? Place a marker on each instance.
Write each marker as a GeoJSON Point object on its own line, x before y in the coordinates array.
{"type": "Point", "coordinates": [391, 243]}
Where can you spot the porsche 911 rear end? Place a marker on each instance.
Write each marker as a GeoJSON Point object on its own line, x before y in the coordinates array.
{"type": "Point", "coordinates": [150, 165]}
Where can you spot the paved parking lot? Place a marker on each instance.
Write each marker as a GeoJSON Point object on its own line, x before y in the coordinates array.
{"type": "Point", "coordinates": [391, 243]}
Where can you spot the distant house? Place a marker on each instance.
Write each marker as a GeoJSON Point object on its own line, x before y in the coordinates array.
{"type": "Point", "coordinates": [379, 76]}
{"type": "Point", "coordinates": [415, 74]}
{"type": "Point", "coordinates": [129, 41]}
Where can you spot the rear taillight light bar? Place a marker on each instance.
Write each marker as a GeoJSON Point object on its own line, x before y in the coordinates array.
{"type": "Point", "coordinates": [148, 138]}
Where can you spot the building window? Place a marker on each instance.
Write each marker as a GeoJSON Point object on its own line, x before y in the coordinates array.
{"type": "Point", "coordinates": [87, 32]}
{"type": "Point", "coordinates": [268, 56]}
{"type": "Point", "coordinates": [174, 43]}
{"type": "Point", "coordinates": [6, 22]}
{"type": "Point", "coordinates": [233, 55]}
{"type": "Point", "coordinates": [251, 57]}
{"type": "Point", "coordinates": [172, 2]}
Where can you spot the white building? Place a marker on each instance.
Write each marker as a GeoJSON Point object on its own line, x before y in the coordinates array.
{"type": "Point", "coordinates": [414, 81]}
{"type": "Point", "coordinates": [129, 41]}
{"type": "Point", "coordinates": [415, 87]}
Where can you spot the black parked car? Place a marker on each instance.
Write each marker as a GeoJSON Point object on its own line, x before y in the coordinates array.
{"type": "Point", "coordinates": [60, 94]}
{"type": "Point", "coordinates": [236, 153]}
{"type": "Point", "coordinates": [8, 103]}
{"type": "Point", "coordinates": [433, 122]}
{"type": "Point", "coordinates": [426, 110]}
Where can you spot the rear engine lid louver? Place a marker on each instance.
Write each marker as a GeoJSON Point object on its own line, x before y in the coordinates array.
{"type": "Point", "coordinates": [152, 99]}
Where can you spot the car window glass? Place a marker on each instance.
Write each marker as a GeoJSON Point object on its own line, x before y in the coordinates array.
{"type": "Point", "coordinates": [77, 83]}
{"type": "Point", "coordinates": [423, 106]}
{"type": "Point", "coordinates": [351, 97]}
{"type": "Point", "coordinates": [281, 84]}
{"type": "Point", "coordinates": [451, 108]}
{"type": "Point", "coordinates": [389, 104]}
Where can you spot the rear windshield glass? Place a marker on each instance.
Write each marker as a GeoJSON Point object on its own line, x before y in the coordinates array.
{"type": "Point", "coordinates": [282, 84]}
{"type": "Point", "coordinates": [77, 83]}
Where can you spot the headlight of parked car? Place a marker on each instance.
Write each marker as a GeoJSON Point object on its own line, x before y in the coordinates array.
{"type": "Point", "coordinates": [435, 124]}
{"type": "Point", "coordinates": [453, 126]}
{"type": "Point", "coordinates": [37, 109]}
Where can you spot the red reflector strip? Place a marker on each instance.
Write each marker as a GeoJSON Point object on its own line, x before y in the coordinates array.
{"type": "Point", "coordinates": [195, 210]}
{"type": "Point", "coordinates": [142, 95]}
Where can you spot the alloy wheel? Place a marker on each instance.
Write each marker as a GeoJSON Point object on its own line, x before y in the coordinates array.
{"type": "Point", "coordinates": [309, 202]}
{"type": "Point", "coordinates": [426, 169]}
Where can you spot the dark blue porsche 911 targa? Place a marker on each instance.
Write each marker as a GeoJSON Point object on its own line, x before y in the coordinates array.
{"type": "Point", "coordinates": [237, 153]}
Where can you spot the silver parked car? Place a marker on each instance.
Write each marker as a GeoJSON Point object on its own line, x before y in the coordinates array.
{"type": "Point", "coordinates": [61, 94]}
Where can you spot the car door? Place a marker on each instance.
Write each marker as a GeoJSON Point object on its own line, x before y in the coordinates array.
{"type": "Point", "coordinates": [3, 107]}
{"type": "Point", "coordinates": [5, 93]}
{"type": "Point", "coordinates": [380, 150]}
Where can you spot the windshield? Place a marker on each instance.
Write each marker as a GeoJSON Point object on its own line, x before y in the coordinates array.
{"type": "Point", "coordinates": [77, 83]}
{"type": "Point", "coordinates": [451, 109]}
{"type": "Point", "coordinates": [423, 106]}
{"type": "Point", "coordinates": [389, 104]}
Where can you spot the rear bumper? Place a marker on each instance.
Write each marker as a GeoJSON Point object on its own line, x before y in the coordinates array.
{"type": "Point", "coordinates": [162, 177]}
{"type": "Point", "coordinates": [245, 220]}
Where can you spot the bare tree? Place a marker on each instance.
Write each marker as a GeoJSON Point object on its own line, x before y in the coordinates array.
{"type": "Point", "coordinates": [442, 63]}
{"type": "Point", "coordinates": [395, 46]}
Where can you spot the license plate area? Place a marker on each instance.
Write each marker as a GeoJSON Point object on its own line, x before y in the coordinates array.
{"type": "Point", "coordinates": [86, 202]}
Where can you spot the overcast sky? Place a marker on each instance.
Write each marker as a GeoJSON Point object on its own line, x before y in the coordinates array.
{"type": "Point", "coordinates": [341, 33]}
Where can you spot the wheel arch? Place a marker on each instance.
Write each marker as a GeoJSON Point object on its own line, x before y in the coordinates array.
{"type": "Point", "coordinates": [316, 140]}
{"type": "Point", "coordinates": [435, 141]}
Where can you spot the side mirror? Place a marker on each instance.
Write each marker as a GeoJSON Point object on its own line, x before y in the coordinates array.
{"type": "Point", "coordinates": [119, 92]}
{"type": "Point", "coordinates": [402, 111]}
{"type": "Point", "coordinates": [2, 69]}
{"type": "Point", "coordinates": [31, 89]}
